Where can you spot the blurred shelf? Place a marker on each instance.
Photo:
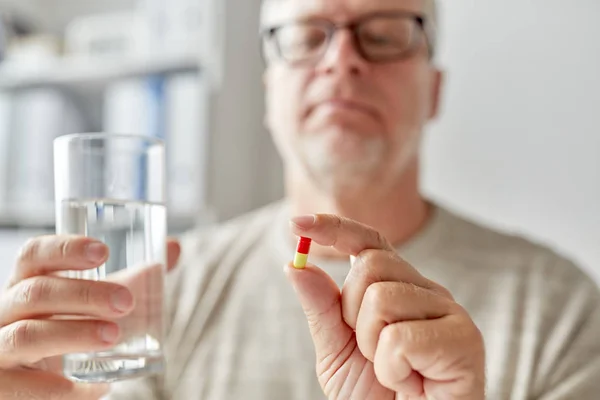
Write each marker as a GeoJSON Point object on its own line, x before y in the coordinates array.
{"type": "Point", "coordinates": [72, 72]}
{"type": "Point", "coordinates": [55, 14]}
{"type": "Point", "coordinates": [46, 221]}
{"type": "Point", "coordinates": [42, 221]}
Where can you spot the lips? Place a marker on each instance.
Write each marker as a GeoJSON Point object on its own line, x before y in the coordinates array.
{"type": "Point", "coordinates": [343, 105]}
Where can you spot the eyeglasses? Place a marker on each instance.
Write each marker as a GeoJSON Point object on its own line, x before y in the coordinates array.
{"type": "Point", "coordinates": [380, 37]}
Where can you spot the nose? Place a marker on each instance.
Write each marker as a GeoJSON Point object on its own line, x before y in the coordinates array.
{"type": "Point", "coordinates": [342, 56]}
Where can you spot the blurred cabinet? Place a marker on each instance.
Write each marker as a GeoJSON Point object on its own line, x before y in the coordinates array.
{"type": "Point", "coordinates": [203, 97]}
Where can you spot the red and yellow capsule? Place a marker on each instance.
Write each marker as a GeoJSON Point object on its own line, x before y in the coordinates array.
{"type": "Point", "coordinates": [302, 251]}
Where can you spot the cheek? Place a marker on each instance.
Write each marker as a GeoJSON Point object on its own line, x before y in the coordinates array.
{"type": "Point", "coordinates": [284, 94]}
{"type": "Point", "coordinates": [407, 101]}
{"type": "Point", "coordinates": [284, 97]}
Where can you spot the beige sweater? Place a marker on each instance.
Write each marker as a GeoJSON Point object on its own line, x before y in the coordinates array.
{"type": "Point", "coordinates": [237, 331]}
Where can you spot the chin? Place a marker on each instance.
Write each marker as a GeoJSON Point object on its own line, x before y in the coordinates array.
{"type": "Point", "coordinates": [341, 144]}
{"type": "Point", "coordinates": [343, 162]}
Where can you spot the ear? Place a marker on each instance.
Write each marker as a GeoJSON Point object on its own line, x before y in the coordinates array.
{"type": "Point", "coordinates": [436, 92]}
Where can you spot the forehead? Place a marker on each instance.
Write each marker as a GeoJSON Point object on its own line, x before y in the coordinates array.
{"type": "Point", "coordinates": [335, 10]}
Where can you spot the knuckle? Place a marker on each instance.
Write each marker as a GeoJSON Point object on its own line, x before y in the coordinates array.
{"type": "Point", "coordinates": [34, 291]}
{"type": "Point", "coordinates": [30, 250]}
{"type": "Point", "coordinates": [479, 339]}
{"type": "Point", "coordinates": [468, 331]}
{"type": "Point", "coordinates": [395, 339]}
{"type": "Point", "coordinates": [371, 262]}
{"type": "Point", "coordinates": [453, 308]}
{"type": "Point", "coordinates": [411, 336]}
{"type": "Point", "coordinates": [440, 290]}
{"type": "Point", "coordinates": [374, 258]}
{"type": "Point", "coordinates": [425, 296]}
{"type": "Point", "coordinates": [63, 248]}
{"type": "Point", "coordinates": [378, 296]}
{"type": "Point", "coordinates": [19, 335]}
{"type": "Point", "coordinates": [367, 258]}
{"type": "Point", "coordinates": [86, 292]}
{"type": "Point", "coordinates": [392, 335]}
{"type": "Point", "coordinates": [44, 247]}
{"type": "Point", "coordinates": [379, 238]}
{"type": "Point", "coordinates": [337, 221]}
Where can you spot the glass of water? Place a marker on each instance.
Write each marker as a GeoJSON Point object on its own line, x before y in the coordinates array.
{"type": "Point", "coordinates": [112, 188]}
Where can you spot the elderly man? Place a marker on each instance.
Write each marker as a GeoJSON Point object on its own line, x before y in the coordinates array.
{"type": "Point", "coordinates": [430, 305]}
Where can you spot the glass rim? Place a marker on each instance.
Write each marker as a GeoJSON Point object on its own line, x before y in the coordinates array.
{"type": "Point", "coordinates": [88, 136]}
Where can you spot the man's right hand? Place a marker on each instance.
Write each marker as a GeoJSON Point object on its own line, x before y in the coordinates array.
{"type": "Point", "coordinates": [31, 342]}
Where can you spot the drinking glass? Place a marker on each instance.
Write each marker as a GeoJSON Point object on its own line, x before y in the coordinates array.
{"type": "Point", "coordinates": [112, 187]}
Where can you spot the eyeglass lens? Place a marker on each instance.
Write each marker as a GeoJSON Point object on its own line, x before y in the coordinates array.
{"type": "Point", "coordinates": [377, 39]}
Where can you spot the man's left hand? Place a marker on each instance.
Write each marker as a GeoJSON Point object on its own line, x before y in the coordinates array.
{"type": "Point", "coordinates": [390, 333]}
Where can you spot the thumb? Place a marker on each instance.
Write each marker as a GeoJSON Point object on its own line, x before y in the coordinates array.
{"type": "Point", "coordinates": [320, 298]}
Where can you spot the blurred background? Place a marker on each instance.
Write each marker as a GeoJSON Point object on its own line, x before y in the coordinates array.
{"type": "Point", "coordinates": [517, 145]}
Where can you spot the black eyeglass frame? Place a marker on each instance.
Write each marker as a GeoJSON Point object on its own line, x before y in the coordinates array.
{"type": "Point", "coordinates": [268, 34]}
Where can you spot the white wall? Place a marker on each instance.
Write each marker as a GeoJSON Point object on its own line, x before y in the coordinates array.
{"type": "Point", "coordinates": [518, 143]}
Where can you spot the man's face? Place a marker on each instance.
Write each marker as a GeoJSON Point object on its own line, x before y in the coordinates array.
{"type": "Point", "coordinates": [344, 121]}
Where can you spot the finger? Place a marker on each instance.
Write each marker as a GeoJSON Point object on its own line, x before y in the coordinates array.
{"type": "Point", "coordinates": [375, 259]}
{"type": "Point", "coordinates": [46, 254]}
{"type": "Point", "coordinates": [173, 253]}
{"type": "Point", "coordinates": [386, 303]}
{"type": "Point", "coordinates": [372, 266]}
{"type": "Point", "coordinates": [45, 295]}
{"type": "Point", "coordinates": [29, 341]}
{"type": "Point", "coordinates": [146, 284]}
{"type": "Point", "coordinates": [29, 384]}
{"type": "Point", "coordinates": [320, 300]}
{"type": "Point", "coordinates": [354, 238]}
{"type": "Point", "coordinates": [347, 236]}
{"type": "Point", "coordinates": [430, 348]}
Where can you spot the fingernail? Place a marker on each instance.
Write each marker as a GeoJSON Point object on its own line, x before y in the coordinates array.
{"type": "Point", "coordinates": [95, 252]}
{"type": "Point", "coordinates": [109, 333]}
{"type": "Point", "coordinates": [304, 222]}
{"type": "Point", "coordinates": [121, 300]}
